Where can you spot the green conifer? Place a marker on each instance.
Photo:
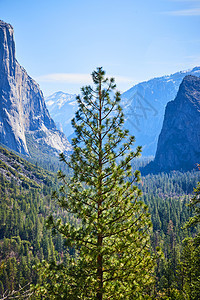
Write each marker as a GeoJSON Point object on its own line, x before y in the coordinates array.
{"type": "Point", "coordinates": [111, 240]}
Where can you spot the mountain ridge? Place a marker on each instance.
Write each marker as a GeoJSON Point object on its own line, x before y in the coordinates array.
{"type": "Point", "coordinates": [143, 104]}
{"type": "Point", "coordinates": [62, 107]}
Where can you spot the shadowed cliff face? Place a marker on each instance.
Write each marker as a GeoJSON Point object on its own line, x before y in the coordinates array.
{"type": "Point", "coordinates": [144, 107]}
{"type": "Point", "coordinates": [22, 106]}
{"type": "Point", "coordinates": [179, 141]}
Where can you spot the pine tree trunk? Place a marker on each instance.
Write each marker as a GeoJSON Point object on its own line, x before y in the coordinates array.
{"type": "Point", "coordinates": [100, 271]}
{"type": "Point", "coordinates": [100, 239]}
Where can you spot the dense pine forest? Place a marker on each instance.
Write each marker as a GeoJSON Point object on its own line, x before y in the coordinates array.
{"type": "Point", "coordinates": [25, 241]}
{"type": "Point", "coordinates": [177, 271]}
{"type": "Point", "coordinates": [25, 203]}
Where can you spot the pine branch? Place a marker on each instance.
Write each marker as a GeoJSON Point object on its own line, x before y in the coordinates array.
{"type": "Point", "coordinates": [112, 127]}
{"type": "Point", "coordinates": [9, 295]}
{"type": "Point", "coordinates": [109, 112]}
{"type": "Point", "coordinates": [125, 214]}
{"type": "Point", "coordinates": [123, 229]}
{"type": "Point", "coordinates": [117, 155]}
{"type": "Point", "coordinates": [91, 103]}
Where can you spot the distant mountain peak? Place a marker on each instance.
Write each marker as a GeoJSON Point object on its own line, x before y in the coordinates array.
{"type": "Point", "coordinates": [196, 69]}
{"type": "Point", "coordinates": [62, 107]}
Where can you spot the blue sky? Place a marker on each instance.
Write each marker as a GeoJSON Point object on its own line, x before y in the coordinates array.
{"type": "Point", "coordinates": [61, 42]}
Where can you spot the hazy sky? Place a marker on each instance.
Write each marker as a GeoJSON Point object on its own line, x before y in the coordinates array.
{"type": "Point", "coordinates": [60, 42]}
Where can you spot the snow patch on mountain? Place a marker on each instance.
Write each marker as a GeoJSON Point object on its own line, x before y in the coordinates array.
{"type": "Point", "coordinates": [62, 108]}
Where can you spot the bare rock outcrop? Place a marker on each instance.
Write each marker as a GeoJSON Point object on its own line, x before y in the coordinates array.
{"type": "Point", "coordinates": [22, 107]}
{"type": "Point", "coordinates": [179, 141]}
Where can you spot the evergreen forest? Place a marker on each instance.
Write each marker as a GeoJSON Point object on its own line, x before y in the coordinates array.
{"type": "Point", "coordinates": [25, 241]}
{"type": "Point", "coordinates": [117, 235]}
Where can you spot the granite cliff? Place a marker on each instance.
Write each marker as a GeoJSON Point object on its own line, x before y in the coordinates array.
{"type": "Point", "coordinates": [23, 111]}
{"type": "Point", "coordinates": [179, 141]}
{"type": "Point", "coordinates": [144, 107]}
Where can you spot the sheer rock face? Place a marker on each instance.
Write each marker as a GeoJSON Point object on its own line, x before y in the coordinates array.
{"type": "Point", "coordinates": [22, 106]}
{"type": "Point", "coordinates": [144, 107]}
{"type": "Point", "coordinates": [179, 141]}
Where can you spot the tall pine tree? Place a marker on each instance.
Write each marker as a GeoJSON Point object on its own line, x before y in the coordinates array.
{"type": "Point", "coordinates": [111, 235]}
